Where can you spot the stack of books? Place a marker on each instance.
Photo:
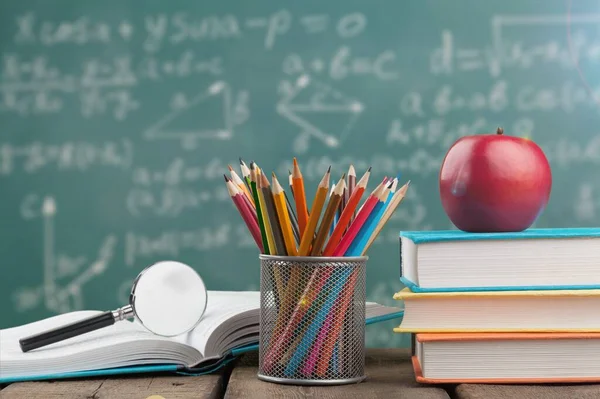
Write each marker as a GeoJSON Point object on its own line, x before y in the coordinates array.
{"type": "Point", "coordinates": [502, 307]}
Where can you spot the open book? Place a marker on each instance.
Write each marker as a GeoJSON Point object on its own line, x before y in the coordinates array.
{"type": "Point", "coordinates": [228, 328]}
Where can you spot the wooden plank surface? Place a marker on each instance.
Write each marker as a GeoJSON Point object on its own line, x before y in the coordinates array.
{"type": "Point", "coordinates": [481, 391]}
{"type": "Point", "coordinates": [389, 375]}
{"type": "Point", "coordinates": [163, 387]}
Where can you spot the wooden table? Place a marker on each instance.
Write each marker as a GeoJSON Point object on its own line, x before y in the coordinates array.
{"type": "Point", "coordinates": [389, 375]}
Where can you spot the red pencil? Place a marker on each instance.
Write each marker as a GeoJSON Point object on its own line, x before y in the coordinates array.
{"type": "Point", "coordinates": [346, 215]}
{"type": "Point", "coordinates": [243, 208]}
{"type": "Point", "coordinates": [360, 219]}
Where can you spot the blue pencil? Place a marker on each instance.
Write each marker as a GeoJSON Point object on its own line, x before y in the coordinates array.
{"type": "Point", "coordinates": [305, 344]}
{"type": "Point", "coordinates": [367, 229]}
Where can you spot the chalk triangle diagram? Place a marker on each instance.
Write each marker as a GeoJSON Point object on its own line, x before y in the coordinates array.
{"type": "Point", "coordinates": [205, 116]}
{"type": "Point", "coordinates": [321, 111]}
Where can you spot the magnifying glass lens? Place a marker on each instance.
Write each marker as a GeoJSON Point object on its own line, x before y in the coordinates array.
{"type": "Point", "coordinates": [169, 298]}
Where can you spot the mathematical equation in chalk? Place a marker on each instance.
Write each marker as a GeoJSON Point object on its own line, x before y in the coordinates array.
{"type": "Point", "coordinates": [162, 29]}
{"type": "Point", "coordinates": [514, 45]}
{"type": "Point", "coordinates": [78, 156]}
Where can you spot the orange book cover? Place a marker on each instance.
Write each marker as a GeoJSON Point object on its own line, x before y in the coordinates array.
{"type": "Point", "coordinates": [438, 337]}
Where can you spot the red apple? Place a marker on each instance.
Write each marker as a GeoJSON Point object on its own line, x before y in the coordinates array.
{"type": "Point", "coordinates": [494, 183]}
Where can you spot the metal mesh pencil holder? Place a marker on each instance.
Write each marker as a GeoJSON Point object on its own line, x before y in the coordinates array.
{"type": "Point", "coordinates": [312, 320]}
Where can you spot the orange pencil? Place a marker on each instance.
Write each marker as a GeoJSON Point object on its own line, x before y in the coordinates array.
{"type": "Point", "coordinates": [299, 198]}
{"type": "Point", "coordinates": [315, 214]}
{"type": "Point", "coordinates": [347, 214]}
{"type": "Point", "coordinates": [334, 202]}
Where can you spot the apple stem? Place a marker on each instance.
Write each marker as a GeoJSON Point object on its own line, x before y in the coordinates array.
{"type": "Point", "coordinates": [499, 130]}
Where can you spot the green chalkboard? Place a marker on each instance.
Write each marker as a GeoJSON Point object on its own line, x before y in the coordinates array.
{"type": "Point", "coordinates": [118, 119]}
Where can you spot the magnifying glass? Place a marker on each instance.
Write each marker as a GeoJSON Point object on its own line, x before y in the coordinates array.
{"type": "Point", "coordinates": [168, 298]}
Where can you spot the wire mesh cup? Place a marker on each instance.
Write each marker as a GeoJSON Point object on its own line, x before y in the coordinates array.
{"type": "Point", "coordinates": [312, 320]}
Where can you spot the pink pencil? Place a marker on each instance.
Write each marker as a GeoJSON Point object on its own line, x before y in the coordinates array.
{"type": "Point", "coordinates": [251, 222]}
{"type": "Point", "coordinates": [311, 361]}
{"type": "Point", "coordinates": [358, 221]}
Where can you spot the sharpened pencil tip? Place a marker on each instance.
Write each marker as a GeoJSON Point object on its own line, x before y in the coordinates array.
{"type": "Point", "coordinates": [273, 175]}
{"type": "Point", "coordinates": [230, 168]}
{"type": "Point", "coordinates": [226, 178]}
{"type": "Point", "coordinates": [241, 162]}
{"type": "Point", "coordinates": [368, 170]}
{"type": "Point", "coordinates": [289, 172]}
{"type": "Point", "coordinates": [295, 162]}
{"type": "Point", "coordinates": [329, 169]}
{"type": "Point", "coordinates": [343, 176]}
{"type": "Point", "coordinates": [251, 164]}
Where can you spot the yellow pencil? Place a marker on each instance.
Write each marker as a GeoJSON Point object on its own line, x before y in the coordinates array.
{"type": "Point", "coordinates": [299, 198]}
{"type": "Point", "coordinates": [315, 214]}
{"type": "Point", "coordinates": [284, 217]}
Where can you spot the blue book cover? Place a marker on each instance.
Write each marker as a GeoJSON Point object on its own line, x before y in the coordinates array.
{"type": "Point", "coordinates": [435, 236]}
{"type": "Point", "coordinates": [424, 237]}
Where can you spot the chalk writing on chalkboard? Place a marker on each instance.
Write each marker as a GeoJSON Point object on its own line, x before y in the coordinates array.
{"type": "Point", "coordinates": [54, 293]}
{"type": "Point", "coordinates": [228, 113]}
{"type": "Point", "coordinates": [308, 97]}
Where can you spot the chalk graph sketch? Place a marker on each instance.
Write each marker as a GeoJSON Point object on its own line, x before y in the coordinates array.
{"type": "Point", "coordinates": [53, 293]}
{"type": "Point", "coordinates": [211, 114]}
{"type": "Point", "coordinates": [320, 111]}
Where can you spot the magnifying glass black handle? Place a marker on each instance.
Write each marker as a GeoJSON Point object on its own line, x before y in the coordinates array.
{"type": "Point", "coordinates": [69, 331]}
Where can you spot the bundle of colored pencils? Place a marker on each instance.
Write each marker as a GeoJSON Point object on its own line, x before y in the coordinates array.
{"type": "Point", "coordinates": [337, 225]}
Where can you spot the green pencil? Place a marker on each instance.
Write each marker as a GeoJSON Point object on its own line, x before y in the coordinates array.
{"type": "Point", "coordinates": [261, 224]}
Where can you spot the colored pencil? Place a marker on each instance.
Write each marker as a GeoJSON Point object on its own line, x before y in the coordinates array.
{"type": "Point", "coordinates": [293, 219]}
{"type": "Point", "coordinates": [337, 213]}
{"type": "Point", "coordinates": [315, 215]}
{"type": "Point", "coordinates": [396, 200]}
{"type": "Point", "coordinates": [278, 241]}
{"type": "Point", "coordinates": [265, 219]}
{"type": "Point", "coordinates": [245, 200]}
{"type": "Point", "coordinates": [259, 210]}
{"type": "Point", "coordinates": [237, 198]}
{"type": "Point", "coordinates": [368, 227]}
{"type": "Point", "coordinates": [332, 333]}
{"type": "Point", "coordinates": [284, 217]}
{"type": "Point", "coordinates": [240, 183]}
{"type": "Point", "coordinates": [334, 202]}
{"type": "Point", "coordinates": [279, 286]}
{"type": "Point", "coordinates": [351, 183]}
{"type": "Point", "coordinates": [311, 360]}
{"type": "Point", "coordinates": [245, 172]}
{"type": "Point", "coordinates": [379, 195]}
{"type": "Point", "coordinates": [340, 275]}
{"type": "Point", "coordinates": [346, 215]}
{"type": "Point", "coordinates": [300, 198]}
